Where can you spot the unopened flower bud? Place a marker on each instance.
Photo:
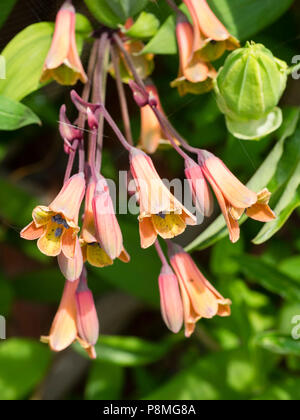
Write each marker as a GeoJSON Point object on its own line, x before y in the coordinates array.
{"type": "Point", "coordinates": [248, 90]}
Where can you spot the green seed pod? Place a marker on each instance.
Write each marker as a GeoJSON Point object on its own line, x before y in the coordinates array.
{"type": "Point", "coordinates": [248, 89]}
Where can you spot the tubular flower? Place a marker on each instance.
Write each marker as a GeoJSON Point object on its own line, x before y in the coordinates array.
{"type": "Point", "coordinates": [211, 38]}
{"type": "Point", "coordinates": [202, 196]}
{"type": "Point", "coordinates": [92, 249]}
{"type": "Point", "coordinates": [87, 318]}
{"type": "Point", "coordinates": [63, 62]}
{"type": "Point", "coordinates": [67, 324]}
{"type": "Point", "coordinates": [233, 196]}
{"type": "Point", "coordinates": [195, 75]}
{"type": "Point", "coordinates": [170, 299]}
{"type": "Point", "coordinates": [151, 132]}
{"type": "Point", "coordinates": [56, 226]}
{"type": "Point", "coordinates": [200, 298]}
{"type": "Point", "coordinates": [160, 212]}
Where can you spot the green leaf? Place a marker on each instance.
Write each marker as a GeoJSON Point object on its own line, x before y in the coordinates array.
{"type": "Point", "coordinates": [285, 390]}
{"type": "Point", "coordinates": [164, 42]}
{"type": "Point", "coordinates": [115, 12]}
{"type": "Point", "coordinates": [218, 229]}
{"type": "Point", "coordinates": [128, 351]}
{"type": "Point", "coordinates": [243, 19]}
{"type": "Point", "coordinates": [6, 8]}
{"type": "Point", "coordinates": [278, 343]}
{"type": "Point", "coordinates": [6, 296]}
{"type": "Point", "coordinates": [144, 27]}
{"type": "Point", "coordinates": [14, 115]}
{"type": "Point", "coordinates": [105, 382]}
{"type": "Point", "coordinates": [269, 277]}
{"type": "Point", "coordinates": [289, 201]}
{"type": "Point", "coordinates": [203, 380]}
{"type": "Point", "coordinates": [23, 364]}
{"type": "Point", "coordinates": [31, 46]}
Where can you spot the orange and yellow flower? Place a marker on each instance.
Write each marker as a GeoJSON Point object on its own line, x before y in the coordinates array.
{"type": "Point", "coordinates": [111, 237]}
{"type": "Point", "coordinates": [200, 298]}
{"type": "Point", "coordinates": [160, 212]}
{"type": "Point", "coordinates": [234, 197]}
{"type": "Point", "coordinates": [63, 62]}
{"type": "Point", "coordinates": [211, 38]}
{"type": "Point", "coordinates": [70, 322]}
{"type": "Point", "coordinates": [56, 226]}
{"type": "Point", "coordinates": [195, 75]}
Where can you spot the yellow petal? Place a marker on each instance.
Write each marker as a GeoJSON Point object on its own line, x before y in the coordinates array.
{"type": "Point", "coordinates": [169, 225]}
{"type": "Point", "coordinates": [41, 215]}
{"type": "Point", "coordinates": [97, 257]}
{"type": "Point", "coordinates": [50, 243]}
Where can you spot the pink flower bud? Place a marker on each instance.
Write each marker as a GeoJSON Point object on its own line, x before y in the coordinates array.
{"type": "Point", "coordinates": [140, 96]}
{"type": "Point", "coordinates": [170, 299]}
{"type": "Point", "coordinates": [87, 318]}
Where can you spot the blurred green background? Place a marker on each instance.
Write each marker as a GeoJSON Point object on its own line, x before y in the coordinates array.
{"type": "Point", "coordinates": [250, 355]}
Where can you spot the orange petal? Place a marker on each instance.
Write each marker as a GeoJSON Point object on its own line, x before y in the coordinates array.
{"type": "Point", "coordinates": [31, 232]}
{"type": "Point", "coordinates": [71, 267]}
{"type": "Point", "coordinates": [69, 243]}
{"type": "Point", "coordinates": [261, 213]}
{"type": "Point", "coordinates": [147, 232]}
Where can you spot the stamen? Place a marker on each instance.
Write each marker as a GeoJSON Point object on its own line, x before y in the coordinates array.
{"type": "Point", "coordinates": [162, 215]}
{"type": "Point", "coordinates": [58, 232]}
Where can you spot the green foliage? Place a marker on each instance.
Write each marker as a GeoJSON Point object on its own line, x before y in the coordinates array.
{"type": "Point", "coordinates": [14, 115]}
{"type": "Point", "coordinates": [105, 381]}
{"type": "Point", "coordinates": [115, 12]}
{"type": "Point", "coordinates": [279, 343]}
{"type": "Point", "coordinates": [6, 8]}
{"type": "Point", "coordinates": [129, 351]}
{"type": "Point", "coordinates": [145, 26]}
{"type": "Point", "coordinates": [23, 364]}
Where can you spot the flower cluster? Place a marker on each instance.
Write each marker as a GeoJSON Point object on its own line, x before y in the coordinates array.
{"type": "Point", "coordinates": [186, 295]}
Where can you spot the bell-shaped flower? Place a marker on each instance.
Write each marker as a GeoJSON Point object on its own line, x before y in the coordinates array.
{"type": "Point", "coordinates": [71, 268]}
{"type": "Point", "coordinates": [92, 248]}
{"type": "Point", "coordinates": [63, 62]}
{"type": "Point", "coordinates": [195, 75]}
{"type": "Point", "coordinates": [160, 212]}
{"type": "Point", "coordinates": [56, 226]}
{"type": "Point", "coordinates": [211, 38]}
{"type": "Point", "coordinates": [200, 298]}
{"type": "Point", "coordinates": [233, 196]}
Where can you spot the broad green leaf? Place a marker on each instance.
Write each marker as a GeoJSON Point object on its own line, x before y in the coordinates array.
{"type": "Point", "coordinates": [31, 46]}
{"type": "Point", "coordinates": [145, 26]}
{"type": "Point", "coordinates": [278, 343]}
{"type": "Point", "coordinates": [164, 42]}
{"type": "Point", "coordinates": [128, 351]}
{"type": "Point", "coordinates": [23, 364]}
{"type": "Point", "coordinates": [214, 377]}
{"type": "Point", "coordinates": [243, 19]}
{"type": "Point", "coordinates": [14, 115]}
{"type": "Point", "coordinates": [115, 12]}
{"type": "Point", "coordinates": [105, 382]}
{"type": "Point", "coordinates": [269, 277]}
{"type": "Point", "coordinates": [6, 8]}
{"type": "Point", "coordinates": [291, 266]}
{"type": "Point", "coordinates": [218, 229]}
